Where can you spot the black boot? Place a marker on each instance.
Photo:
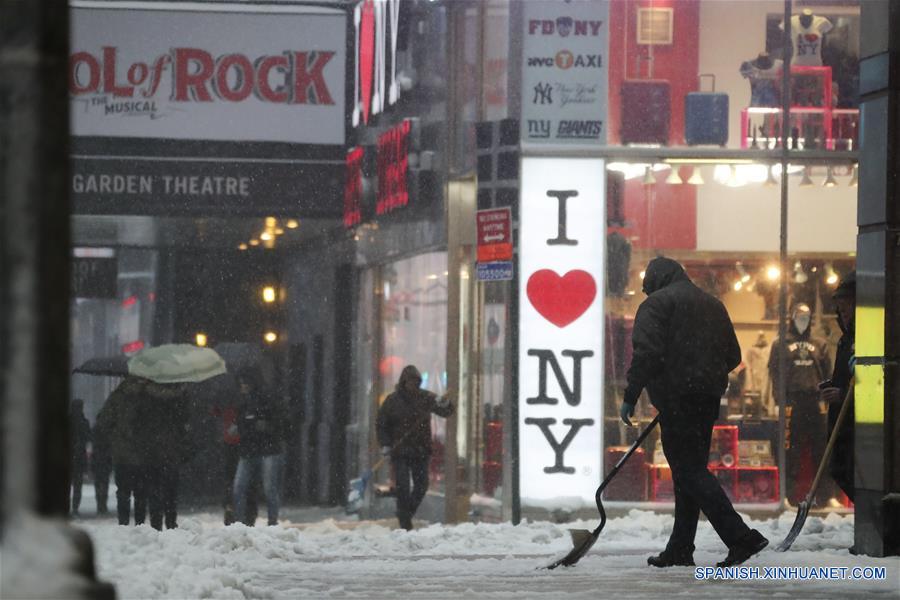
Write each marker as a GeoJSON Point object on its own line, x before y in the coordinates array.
{"type": "Point", "coordinates": [405, 522]}
{"type": "Point", "coordinates": [674, 557]}
{"type": "Point", "coordinates": [747, 547]}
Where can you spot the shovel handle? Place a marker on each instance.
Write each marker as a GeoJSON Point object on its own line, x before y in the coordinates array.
{"type": "Point", "coordinates": [831, 441]}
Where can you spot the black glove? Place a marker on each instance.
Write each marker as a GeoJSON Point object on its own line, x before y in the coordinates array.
{"type": "Point", "coordinates": [626, 411]}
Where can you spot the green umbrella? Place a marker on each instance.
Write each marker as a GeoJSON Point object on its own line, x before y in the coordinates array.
{"type": "Point", "coordinates": [176, 363]}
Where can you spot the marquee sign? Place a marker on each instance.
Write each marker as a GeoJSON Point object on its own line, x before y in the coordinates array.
{"type": "Point", "coordinates": [353, 188]}
{"type": "Point", "coordinates": [392, 159]}
{"type": "Point", "coordinates": [561, 320]}
{"type": "Point", "coordinates": [208, 72]}
{"type": "Point", "coordinates": [377, 27]}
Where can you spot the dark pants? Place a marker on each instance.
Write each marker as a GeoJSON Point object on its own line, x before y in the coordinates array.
{"type": "Point", "coordinates": [804, 433]}
{"type": "Point", "coordinates": [131, 479]}
{"type": "Point", "coordinates": [77, 481]}
{"type": "Point", "coordinates": [101, 486]}
{"type": "Point", "coordinates": [232, 457]}
{"type": "Point", "coordinates": [409, 499]}
{"type": "Point", "coordinates": [162, 495]}
{"type": "Point", "coordinates": [686, 435]}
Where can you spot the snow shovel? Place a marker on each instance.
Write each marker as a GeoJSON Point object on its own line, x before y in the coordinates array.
{"type": "Point", "coordinates": [803, 508]}
{"type": "Point", "coordinates": [582, 539]}
{"type": "Point", "coordinates": [357, 491]}
{"type": "Point", "coordinates": [357, 488]}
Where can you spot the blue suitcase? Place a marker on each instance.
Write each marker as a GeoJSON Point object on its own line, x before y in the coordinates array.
{"type": "Point", "coordinates": [706, 117]}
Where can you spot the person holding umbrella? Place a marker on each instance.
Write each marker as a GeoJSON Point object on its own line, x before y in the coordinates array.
{"type": "Point", "coordinates": [404, 433]}
{"type": "Point", "coordinates": [260, 423]}
{"type": "Point", "coordinates": [118, 423]}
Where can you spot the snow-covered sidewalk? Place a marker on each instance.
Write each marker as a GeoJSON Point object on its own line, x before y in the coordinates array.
{"type": "Point", "coordinates": [340, 559]}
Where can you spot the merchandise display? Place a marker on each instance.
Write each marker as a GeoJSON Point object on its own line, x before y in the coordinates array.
{"type": "Point", "coordinates": [805, 359]}
{"type": "Point", "coordinates": [646, 110]}
{"type": "Point", "coordinates": [706, 116]}
{"type": "Point", "coordinates": [764, 75]}
{"type": "Point", "coordinates": [807, 38]}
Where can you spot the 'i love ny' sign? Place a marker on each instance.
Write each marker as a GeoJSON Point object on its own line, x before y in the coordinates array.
{"type": "Point", "coordinates": [562, 240]}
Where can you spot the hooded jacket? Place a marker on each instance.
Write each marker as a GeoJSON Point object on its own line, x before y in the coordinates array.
{"type": "Point", "coordinates": [684, 342]}
{"type": "Point", "coordinates": [118, 422]}
{"type": "Point", "coordinates": [404, 419]}
{"type": "Point", "coordinates": [806, 361]}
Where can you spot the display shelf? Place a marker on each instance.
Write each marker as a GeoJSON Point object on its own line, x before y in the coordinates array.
{"type": "Point", "coordinates": [813, 127]}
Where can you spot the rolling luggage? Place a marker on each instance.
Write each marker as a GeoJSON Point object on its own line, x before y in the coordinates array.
{"type": "Point", "coordinates": [646, 110]}
{"type": "Point", "coordinates": [706, 117]}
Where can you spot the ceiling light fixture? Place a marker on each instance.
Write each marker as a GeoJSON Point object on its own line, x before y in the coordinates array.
{"type": "Point", "coordinates": [649, 178]}
{"type": "Point", "coordinates": [696, 178]}
{"type": "Point", "coordinates": [674, 178]}
{"type": "Point", "coordinates": [854, 177]}
{"type": "Point", "coordinates": [806, 181]}
{"type": "Point", "coordinates": [829, 178]}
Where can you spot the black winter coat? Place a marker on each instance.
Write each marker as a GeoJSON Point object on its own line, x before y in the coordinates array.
{"type": "Point", "coordinates": [260, 420]}
{"type": "Point", "coordinates": [404, 422]}
{"type": "Point", "coordinates": [684, 342]}
{"type": "Point", "coordinates": [806, 361]}
{"type": "Point", "coordinates": [80, 435]}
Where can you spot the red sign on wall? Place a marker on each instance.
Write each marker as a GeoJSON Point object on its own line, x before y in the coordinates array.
{"type": "Point", "coordinates": [494, 234]}
{"type": "Point", "coordinates": [392, 157]}
{"type": "Point", "coordinates": [353, 188]}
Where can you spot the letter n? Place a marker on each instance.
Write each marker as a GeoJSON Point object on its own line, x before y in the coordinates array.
{"type": "Point", "coordinates": [573, 393]}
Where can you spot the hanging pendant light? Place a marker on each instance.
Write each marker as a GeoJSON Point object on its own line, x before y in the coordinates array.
{"type": "Point", "coordinates": [770, 177]}
{"type": "Point", "coordinates": [649, 178]}
{"type": "Point", "coordinates": [806, 181]}
{"type": "Point", "coordinates": [829, 179]}
{"type": "Point", "coordinates": [854, 177]}
{"type": "Point", "coordinates": [674, 178]}
{"type": "Point", "coordinates": [696, 178]}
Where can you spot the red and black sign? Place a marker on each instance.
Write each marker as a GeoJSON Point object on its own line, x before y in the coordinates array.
{"type": "Point", "coordinates": [353, 189]}
{"type": "Point", "coordinates": [392, 158]}
{"type": "Point", "coordinates": [494, 234]}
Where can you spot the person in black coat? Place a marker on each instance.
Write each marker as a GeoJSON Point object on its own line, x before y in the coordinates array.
{"type": "Point", "coordinates": [835, 389]}
{"type": "Point", "coordinates": [260, 422]}
{"type": "Point", "coordinates": [684, 347]}
{"type": "Point", "coordinates": [404, 433]}
{"type": "Point", "coordinates": [79, 435]}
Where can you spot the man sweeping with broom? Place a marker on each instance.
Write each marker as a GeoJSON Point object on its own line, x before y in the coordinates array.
{"type": "Point", "coordinates": [404, 434]}
{"type": "Point", "coordinates": [684, 347]}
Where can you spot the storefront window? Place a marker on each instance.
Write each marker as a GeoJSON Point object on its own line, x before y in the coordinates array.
{"type": "Point", "coordinates": [413, 325]}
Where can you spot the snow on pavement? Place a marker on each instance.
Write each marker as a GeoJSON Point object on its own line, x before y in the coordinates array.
{"type": "Point", "coordinates": [337, 559]}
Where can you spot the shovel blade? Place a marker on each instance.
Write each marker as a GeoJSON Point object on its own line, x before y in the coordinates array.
{"type": "Point", "coordinates": [582, 539]}
{"type": "Point", "coordinates": [796, 528]}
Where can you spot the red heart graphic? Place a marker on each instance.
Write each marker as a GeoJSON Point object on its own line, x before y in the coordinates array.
{"type": "Point", "coordinates": [561, 300]}
{"type": "Point", "coordinates": [811, 37]}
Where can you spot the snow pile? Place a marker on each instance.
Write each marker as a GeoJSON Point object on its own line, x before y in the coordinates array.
{"type": "Point", "coordinates": [329, 558]}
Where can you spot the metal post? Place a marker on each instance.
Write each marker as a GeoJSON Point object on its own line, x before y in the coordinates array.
{"type": "Point", "coordinates": [781, 383]}
{"type": "Point", "coordinates": [877, 347]}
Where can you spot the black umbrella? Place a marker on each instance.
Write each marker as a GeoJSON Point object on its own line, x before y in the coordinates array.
{"type": "Point", "coordinates": [240, 355]}
{"type": "Point", "coordinates": [112, 366]}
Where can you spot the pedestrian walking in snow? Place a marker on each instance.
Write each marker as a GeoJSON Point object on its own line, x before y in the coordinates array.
{"type": "Point", "coordinates": [231, 439]}
{"type": "Point", "coordinates": [260, 421]}
{"type": "Point", "coordinates": [118, 422]}
{"type": "Point", "coordinates": [164, 438]}
{"type": "Point", "coordinates": [79, 436]}
{"type": "Point", "coordinates": [684, 347]}
{"type": "Point", "coordinates": [404, 433]}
